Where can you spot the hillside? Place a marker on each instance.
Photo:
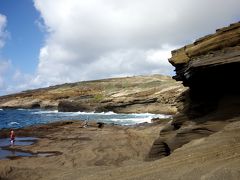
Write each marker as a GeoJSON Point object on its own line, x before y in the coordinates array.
{"type": "Point", "coordinates": [153, 94]}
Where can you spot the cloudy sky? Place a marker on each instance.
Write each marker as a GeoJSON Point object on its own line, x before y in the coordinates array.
{"type": "Point", "coordinates": [47, 42]}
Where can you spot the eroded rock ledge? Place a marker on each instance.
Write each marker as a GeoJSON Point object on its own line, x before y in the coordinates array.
{"type": "Point", "coordinates": [210, 68]}
{"type": "Point", "coordinates": [213, 50]}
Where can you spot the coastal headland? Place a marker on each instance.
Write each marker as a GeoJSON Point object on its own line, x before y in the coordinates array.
{"type": "Point", "coordinates": [139, 94]}
{"type": "Point", "coordinates": [202, 141]}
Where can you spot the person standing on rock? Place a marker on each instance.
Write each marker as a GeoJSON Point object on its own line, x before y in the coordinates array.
{"type": "Point", "coordinates": [12, 137]}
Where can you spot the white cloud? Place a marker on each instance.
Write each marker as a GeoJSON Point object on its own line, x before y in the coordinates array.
{"type": "Point", "coordinates": [105, 38]}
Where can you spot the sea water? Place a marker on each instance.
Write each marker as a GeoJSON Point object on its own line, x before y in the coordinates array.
{"type": "Point", "coordinates": [17, 118]}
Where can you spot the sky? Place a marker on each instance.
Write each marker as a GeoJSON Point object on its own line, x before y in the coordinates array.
{"type": "Point", "coordinates": [49, 42]}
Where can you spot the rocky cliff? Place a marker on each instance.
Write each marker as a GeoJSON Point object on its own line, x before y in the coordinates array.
{"type": "Point", "coordinates": [210, 68]}
{"type": "Point", "coordinates": [201, 62]}
{"type": "Point", "coordinates": [139, 94]}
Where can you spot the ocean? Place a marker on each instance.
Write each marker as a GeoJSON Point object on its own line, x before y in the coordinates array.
{"type": "Point", "coordinates": [18, 118]}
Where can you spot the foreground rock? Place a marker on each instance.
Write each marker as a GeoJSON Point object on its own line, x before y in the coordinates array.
{"type": "Point", "coordinates": [153, 94]}
{"type": "Point", "coordinates": [115, 152]}
{"type": "Point", "coordinates": [209, 158]}
{"type": "Point", "coordinates": [80, 151]}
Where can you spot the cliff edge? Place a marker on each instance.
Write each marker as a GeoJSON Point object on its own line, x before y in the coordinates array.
{"type": "Point", "coordinates": [210, 68]}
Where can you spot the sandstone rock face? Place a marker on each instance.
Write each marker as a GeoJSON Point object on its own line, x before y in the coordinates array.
{"type": "Point", "coordinates": [224, 37]}
{"type": "Point", "coordinates": [210, 68]}
{"type": "Point", "coordinates": [140, 94]}
{"type": "Point", "coordinates": [217, 49]}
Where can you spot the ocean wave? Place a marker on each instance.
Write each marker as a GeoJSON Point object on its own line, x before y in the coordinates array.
{"type": "Point", "coordinates": [110, 113]}
{"type": "Point", "coordinates": [106, 113]}
{"type": "Point", "coordinates": [45, 112]}
{"type": "Point", "coordinates": [1, 109]}
{"type": "Point", "coordinates": [151, 115]}
{"type": "Point", "coordinates": [129, 121]}
{"type": "Point", "coordinates": [142, 114]}
{"type": "Point", "coordinates": [13, 123]}
{"type": "Point", "coordinates": [94, 113]}
{"type": "Point", "coordinates": [162, 116]}
{"type": "Point", "coordinates": [139, 118]}
{"type": "Point", "coordinates": [73, 113]}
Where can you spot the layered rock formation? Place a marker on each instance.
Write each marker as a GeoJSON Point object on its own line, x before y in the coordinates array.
{"type": "Point", "coordinates": [153, 94]}
{"type": "Point", "coordinates": [221, 48]}
{"type": "Point", "coordinates": [210, 68]}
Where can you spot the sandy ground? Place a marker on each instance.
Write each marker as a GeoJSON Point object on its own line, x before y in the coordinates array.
{"type": "Point", "coordinates": [115, 152]}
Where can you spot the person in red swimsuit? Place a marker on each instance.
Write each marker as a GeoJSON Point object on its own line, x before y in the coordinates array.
{"type": "Point", "coordinates": [12, 137]}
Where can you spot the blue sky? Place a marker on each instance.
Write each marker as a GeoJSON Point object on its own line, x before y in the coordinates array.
{"type": "Point", "coordinates": [25, 39]}
{"type": "Point", "coordinates": [48, 42]}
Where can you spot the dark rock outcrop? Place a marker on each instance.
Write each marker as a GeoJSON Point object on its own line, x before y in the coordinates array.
{"type": "Point", "coordinates": [72, 106]}
{"type": "Point", "coordinates": [210, 68]}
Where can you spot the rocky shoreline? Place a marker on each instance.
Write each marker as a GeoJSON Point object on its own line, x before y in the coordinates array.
{"type": "Point", "coordinates": [202, 141]}
{"type": "Point", "coordinates": [77, 148]}
{"type": "Point", "coordinates": [121, 152]}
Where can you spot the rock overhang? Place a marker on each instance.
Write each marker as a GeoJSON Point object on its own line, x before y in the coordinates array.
{"type": "Point", "coordinates": [209, 55]}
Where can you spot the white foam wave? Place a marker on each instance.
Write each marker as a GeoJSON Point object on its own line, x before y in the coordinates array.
{"type": "Point", "coordinates": [74, 113]}
{"type": "Point", "coordinates": [151, 115]}
{"type": "Point", "coordinates": [124, 119]}
{"type": "Point", "coordinates": [80, 113]}
{"type": "Point", "coordinates": [162, 116]}
{"type": "Point", "coordinates": [140, 118]}
{"type": "Point", "coordinates": [13, 123]}
{"type": "Point", "coordinates": [45, 112]}
{"type": "Point", "coordinates": [107, 113]}
{"type": "Point", "coordinates": [142, 115]}
{"type": "Point", "coordinates": [1, 109]}
{"type": "Point", "coordinates": [86, 113]}
{"type": "Point", "coordinates": [94, 113]}
{"type": "Point", "coordinates": [131, 121]}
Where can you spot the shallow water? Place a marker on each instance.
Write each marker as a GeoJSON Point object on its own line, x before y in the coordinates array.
{"type": "Point", "coordinates": [20, 141]}
{"type": "Point", "coordinates": [10, 153]}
